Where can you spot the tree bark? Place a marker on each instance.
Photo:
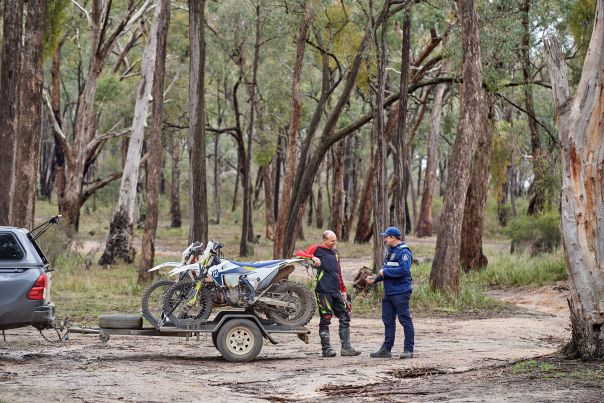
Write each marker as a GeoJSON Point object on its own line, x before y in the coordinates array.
{"type": "Point", "coordinates": [55, 90]}
{"type": "Point", "coordinates": [351, 192]}
{"type": "Point", "coordinates": [176, 217]}
{"type": "Point", "coordinates": [217, 179]}
{"type": "Point", "coordinates": [294, 126]}
{"type": "Point", "coordinates": [424, 224]}
{"type": "Point", "coordinates": [119, 243]}
{"type": "Point", "coordinates": [336, 222]}
{"type": "Point", "coordinates": [247, 231]}
{"type": "Point", "coordinates": [321, 179]}
{"type": "Point", "coordinates": [155, 146]}
{"type": "Point", "coordinates": [399, 155]}
{"type": "Point", "coordinates": [27, 141]}
{"type": "Point", "coordinates": [380, 187]}
{"type": "Point", "coordinates": [198, 207]}
{"type": "Point", "coordinates": [269, 201]}
{"type": "Point", "coordinates": [472, 256]}
{"type": "Point", "coordinates": [364, 229]}
{"type": "Point", "coordinates": [445, 266]}
{"type": "Point", "coordinates": [537, 201]}
{"type": "Point", "coordinates": [579, 120]}
{"type": "Point", "coordinates": [9, 107]}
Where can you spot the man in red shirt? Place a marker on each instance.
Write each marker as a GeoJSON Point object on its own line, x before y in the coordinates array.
{"type": "Point", "coordinates": [331, 294]}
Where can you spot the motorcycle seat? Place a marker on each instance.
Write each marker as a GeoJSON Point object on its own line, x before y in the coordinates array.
{"type": "Point", "coordinates": [255, 265]}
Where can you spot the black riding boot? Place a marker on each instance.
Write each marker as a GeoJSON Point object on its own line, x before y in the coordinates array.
{"type": "Point", "coordinates": [325, 346]}
{"type": "Point", "coordinates": [347, 349]}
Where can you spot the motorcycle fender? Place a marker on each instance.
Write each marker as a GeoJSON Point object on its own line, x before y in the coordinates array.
{"type": "Point", "coordinates": [178, 270]}
{"type": "Point", "coordinates": [165, 264]}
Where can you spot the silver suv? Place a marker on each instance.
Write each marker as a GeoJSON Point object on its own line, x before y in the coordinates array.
{"type": "Point", "coordinates": [24, 281]}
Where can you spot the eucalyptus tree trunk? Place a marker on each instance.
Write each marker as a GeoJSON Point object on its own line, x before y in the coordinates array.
{"type": "Point", "coordinates": [580, 120]}
{"type": "Point", "coordinates": [55, 89]}
{"type": "Point", "coordinates": [198, 197]}
{"type": "Point", "coordinates": [351, 192]}
{"type": "Point", "coordinates": [247, 226]}
{"type": "Point", "coordinates": [27, 141]}
{"type": "Point", "coordinates": [537, 201]}
{"type": "Point", "coordinates": [269, 212]}
{"type": "Point", "coordinates": [336, 221]}
{"type": "Point", "coordinates": [294, 127]}
{"type": "Point", "coordinates": [380, 186]}
{"type": "Point", "coordinates": [445, 266]}
{"type": "Point", "coordinates": [119, 243]}
{"type": "Point", "coordinates": [321, 180]}
{"type": "Point", "coordinates": [400, 192]}
{"type": "Point", "coordinates": [9, 107]}
{"type": "Point", "coordinates": [175, 214]}
{"type": "Point", "coordinates": [472, 256]}
{"type": "Point", "coordinates": [424, 224]}
{"type": "Point", "coordinates": [217, 179]}
{"type": "Point", "coordinates": [364, 229]}
{"type": "Point", "coordinates": [155, 146]}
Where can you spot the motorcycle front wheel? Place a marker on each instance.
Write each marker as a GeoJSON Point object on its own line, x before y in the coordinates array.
{"type": "Point", "coordinates": [183, 304]}
{"type": "Point", "coordinates": [302, 301]}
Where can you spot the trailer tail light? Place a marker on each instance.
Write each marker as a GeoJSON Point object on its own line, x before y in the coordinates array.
{"type": "Point", "coordinates": [38, 291]}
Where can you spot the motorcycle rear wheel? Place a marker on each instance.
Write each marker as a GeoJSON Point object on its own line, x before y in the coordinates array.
{"type": "Point", "coordinates": [297, 294]}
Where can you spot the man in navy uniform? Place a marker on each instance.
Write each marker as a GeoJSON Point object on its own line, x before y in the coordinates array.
{"type": "Point", "coordinates": [398, 284]}
{"type": "Point", "coordinates": [331, 294]}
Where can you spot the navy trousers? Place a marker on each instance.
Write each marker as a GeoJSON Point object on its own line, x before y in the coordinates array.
{"type": "Point", "coordinates": [394, 306]}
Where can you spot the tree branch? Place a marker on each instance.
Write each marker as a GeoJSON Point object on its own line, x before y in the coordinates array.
{"type": "Point", "coordinates": [97, 184]}
{"type": "Point", "coordinates": [550, 134]}
{"type": "Point", "coordinates": [58, 133]}
{"type": "Point", "coordinates": [86, 13]}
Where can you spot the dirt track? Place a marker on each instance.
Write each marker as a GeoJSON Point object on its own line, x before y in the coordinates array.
{"type": "Point", "coordinates": [455, 359]}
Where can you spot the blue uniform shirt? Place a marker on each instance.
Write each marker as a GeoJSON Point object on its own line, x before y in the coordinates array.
{"type": "Point", "coordinates": [397, 270]}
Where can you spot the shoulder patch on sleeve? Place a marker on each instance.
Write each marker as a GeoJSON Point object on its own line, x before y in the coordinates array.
{"type": "Point", "coordinates": [405, 257]}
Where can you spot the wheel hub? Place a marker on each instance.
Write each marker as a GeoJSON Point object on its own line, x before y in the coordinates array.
{"type": "Point", "coordinates": [240, 341]}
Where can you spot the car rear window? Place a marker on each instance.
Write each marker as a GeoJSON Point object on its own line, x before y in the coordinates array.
{"type": "Point", "coordinates": [10, 248]}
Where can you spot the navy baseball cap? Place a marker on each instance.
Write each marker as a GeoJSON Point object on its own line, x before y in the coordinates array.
{"type": "Point", "coordinates": [391, 231]}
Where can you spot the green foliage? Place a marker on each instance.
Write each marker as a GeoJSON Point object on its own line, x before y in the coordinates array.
{"type": "Point", "coordinates": [581, 20]}
{"type": "Point", "coordinates": [519, 270]}
{"type": "Point", "coordinates": [540, 232]}
{"type": "Point", "coordinates": [499, 163]}
{"type": "Point", "coordinates": [55, 25]}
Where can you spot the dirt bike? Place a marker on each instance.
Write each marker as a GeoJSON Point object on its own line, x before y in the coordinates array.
{"type": "Point", "coordinates": [262, 287]}
{"type": "Point", "coordinates": [152, 303]}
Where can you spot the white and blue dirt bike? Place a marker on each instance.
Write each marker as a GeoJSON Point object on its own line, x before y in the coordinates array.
{"type": "Point", "coordinates": [260, 287]}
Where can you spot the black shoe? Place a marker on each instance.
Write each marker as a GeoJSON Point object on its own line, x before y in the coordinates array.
{"type": "Point", "coordinates": [383, 352]}
{"type": "Point", "coordinates": [349, 352]}
{"type": "Point", "coordinates": [328, 352]}
{"type": "Point", "coordinates": [406, 355]}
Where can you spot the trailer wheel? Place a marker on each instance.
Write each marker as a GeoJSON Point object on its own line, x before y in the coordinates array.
{"type": "Point", "coordinates": [239, 340]}
{"type": "Point", "coordinates": [120, 322]}
{"type": "Point", "coordinates": [104, 337]}
{"type": "Point", "coordinates": [215, 340]}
